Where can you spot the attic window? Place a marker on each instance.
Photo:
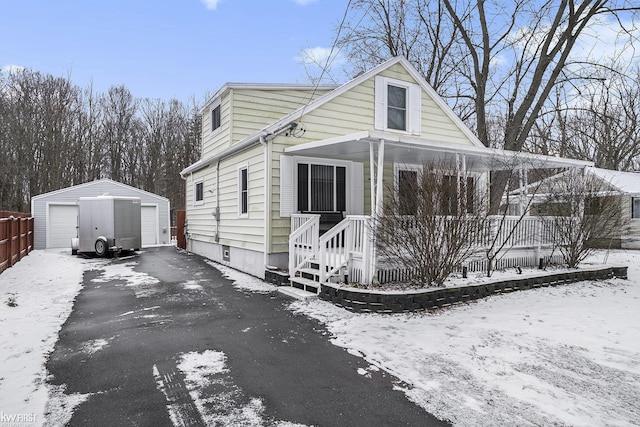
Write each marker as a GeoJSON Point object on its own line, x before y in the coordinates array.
{"type": "Point", "coordinates": [398, 105]}
{"type": "Point", "coordinates": [215, 118]}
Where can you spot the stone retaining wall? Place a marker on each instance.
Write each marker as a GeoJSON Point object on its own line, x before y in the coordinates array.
{"type": "Point", "coordinates": [398, 302]}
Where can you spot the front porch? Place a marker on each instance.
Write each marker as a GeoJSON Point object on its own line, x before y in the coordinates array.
{"type": "Point", "coordinates": [347, 252]}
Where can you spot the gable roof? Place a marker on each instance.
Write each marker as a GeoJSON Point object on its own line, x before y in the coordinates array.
{"type": "Point", "coordinates": [92, 183]}
{"type": "Point", "coordinates": [285, 122]}
{"type": "Point", "coordinates": [263, 86]}
{"type": "Point", "coordinates": [296, 115]}
{"type": "Point", "coordinates": [623, 182]}
{"type": "Point", "coordinates": [626, 182]}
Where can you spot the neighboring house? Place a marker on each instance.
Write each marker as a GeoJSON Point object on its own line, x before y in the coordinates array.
{"type": "Point", "coordinates": [56, 213]}
{"type": "Point", "coordinates": [282, 163]}
{"type": "Point", "coordinates": [624, 186]}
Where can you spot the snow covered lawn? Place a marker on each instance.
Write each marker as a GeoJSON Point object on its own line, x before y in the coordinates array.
{"type": "Point", "coordinates": [36, 297]}
{"type": "Point", "coordinates": [568, 355]}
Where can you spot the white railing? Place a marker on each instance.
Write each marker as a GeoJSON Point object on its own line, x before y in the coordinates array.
{"type": "Point", "coordinates": [349, 244]}
{"type": "Point", "coordinates": [338, 246]}
{"type": "Point", "coordinates": [297, 220]}
{"type": "Point", "coordinates": [520, 231]}
{"type": "Point", "coordinates": [303, 241]}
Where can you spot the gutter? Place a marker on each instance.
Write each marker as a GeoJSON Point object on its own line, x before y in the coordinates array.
{"type": "Point", "coordinates": [242, 145]}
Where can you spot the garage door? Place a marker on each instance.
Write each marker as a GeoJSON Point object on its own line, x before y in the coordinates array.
{"type": "Point", "coordinates": [149, 226]}
{"type": "Point", "coordinates": [61, 227]}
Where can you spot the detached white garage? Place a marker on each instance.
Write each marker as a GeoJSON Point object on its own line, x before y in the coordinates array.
{"type": "Point", "coordinates": [56, 213]}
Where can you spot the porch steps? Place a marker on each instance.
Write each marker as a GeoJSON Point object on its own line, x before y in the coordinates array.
{"type": "Point", "coordinates": [305, 284]}
{"type": "Point", "coordinates": [297, 293]}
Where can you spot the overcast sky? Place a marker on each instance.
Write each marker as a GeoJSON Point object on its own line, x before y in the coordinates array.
{"type": "Point", "coordinates": [167, 48]}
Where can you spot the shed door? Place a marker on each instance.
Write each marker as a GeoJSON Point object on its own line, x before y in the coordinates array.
{"type": "Point", "coordinates": [149, 226]}
{"type": "Point", "coordinates": [61, 228]}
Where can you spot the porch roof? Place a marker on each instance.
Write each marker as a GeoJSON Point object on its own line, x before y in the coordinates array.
{"type": "Point", "coordinates": [413, 150]}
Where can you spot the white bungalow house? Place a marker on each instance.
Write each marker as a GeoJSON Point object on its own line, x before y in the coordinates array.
{"type": "Point", "coordinates": [282, 164]}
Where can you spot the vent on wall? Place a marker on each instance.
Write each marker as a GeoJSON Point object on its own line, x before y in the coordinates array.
{"type": "Point", "coordinates": [226, 256]}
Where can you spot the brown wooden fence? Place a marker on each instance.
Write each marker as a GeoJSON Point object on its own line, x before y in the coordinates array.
{"type": "Point", "coordinates": [16, 237]}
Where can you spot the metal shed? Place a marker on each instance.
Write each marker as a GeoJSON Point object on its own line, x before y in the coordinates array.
{"type": "Point", "coordinates": [55, 213]}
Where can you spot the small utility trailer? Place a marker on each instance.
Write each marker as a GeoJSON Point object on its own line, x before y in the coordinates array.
{"type": "Point", "coordinates": [108, 225]}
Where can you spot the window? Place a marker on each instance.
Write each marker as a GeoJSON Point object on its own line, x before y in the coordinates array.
{"type": "Point", "coordinates": [321, 188]}
{"type": "Point", "coordinates": [243, 191]}
{"type": "Point", "coordinates": [398, 105]}
{"type": "Point", "coordinates": [450, 199]}
{"type": "Point", "coordinates": [407, 188]}
{"type": "Point", "coordinates": [408, 181]}
{"type": "Point", "coordinates": [198, 191]}
{"type": "Point", "coordinates": [635, 207]}
{"type": "Point", "coordinates": [215, 118]}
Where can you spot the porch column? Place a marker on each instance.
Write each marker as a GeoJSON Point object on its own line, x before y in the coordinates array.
{"type": "Point", "coordinates": [523, 172]}
{"type": "Point", "coordinates": [372, 176]}
{"type": "Point", "coordinates": [379, 178]}
{"type": "Point", "coordinates": [376, 169]}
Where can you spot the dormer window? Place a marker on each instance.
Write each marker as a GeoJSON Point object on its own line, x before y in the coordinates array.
{"type": "Point", "coordinates": [398, 105]}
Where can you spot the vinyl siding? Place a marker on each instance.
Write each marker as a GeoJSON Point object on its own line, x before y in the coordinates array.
{"type": "Point", "coordinates": [247, 233]}
{"type": "Point", "coordinates": [244, 112]}
{"type": "Point", "coordinates": [222, 137]}
{"type": "Point", "coordinates": [255, 109]}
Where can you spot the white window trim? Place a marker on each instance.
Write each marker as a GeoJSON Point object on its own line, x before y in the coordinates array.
{"type": "Point", "coordinates": [397, 167]}
{"type": "Point", "coordinates": [324, 162]}
{"type": "Point", "coordinates": [414, 105]}
{"type": "Point", "coordinates": [195, 184]}
{"type": "Point", "coordinates": [244, 166]}
{"type": "Point", "coordinates": [633, 198]}
{"type": "Point", "coordinates": [217, 103]}
{"type": "Point", "coordinates": [477, 176]}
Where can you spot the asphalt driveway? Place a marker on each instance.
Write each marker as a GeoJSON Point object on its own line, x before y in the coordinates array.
{"type": "Point", "coordinates": [122, 342]}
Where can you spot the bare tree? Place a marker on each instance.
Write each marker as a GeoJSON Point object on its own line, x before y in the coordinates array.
{"type": "Point", "coordinates": [583, 211]}
{"type": "Point", "coordinates": [54, 134]}
{"type": "Point", "coordinates": [430, 223]}
{"type": "Point", "coordinates": [603, 125]}
{"type": "Point", "coordinates": [505, 59]}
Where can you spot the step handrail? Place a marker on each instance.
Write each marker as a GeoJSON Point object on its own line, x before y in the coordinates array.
{"type": "Point", "coordinates": [303, 243]}
{"type": "Point", "coordinates": [337, 248]}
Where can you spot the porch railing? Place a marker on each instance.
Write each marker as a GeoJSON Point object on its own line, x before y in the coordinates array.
{"type": "Point", "coordinates": [520, 231]}
{"type": "Point", "coordinates": [350, 245]}
{"type": "Point", "coordinates": [338, 246]}
{"type": "Point", "coordinates": [303, 241]}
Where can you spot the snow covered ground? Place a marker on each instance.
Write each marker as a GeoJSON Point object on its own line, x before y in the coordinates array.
{"type": "Point", "coordinates": [568, 355]}
{"type": "Point", "coordinates": [36, 297]}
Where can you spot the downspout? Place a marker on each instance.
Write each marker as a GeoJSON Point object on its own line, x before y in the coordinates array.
{"type": "Point", "coordinates": [188, 235]}
{"type": "Point", "coordinates": [267, 201]}
{"type": "Point", "coordinates": [217, 235]}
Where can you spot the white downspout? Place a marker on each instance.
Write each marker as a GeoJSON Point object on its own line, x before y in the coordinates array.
{"type": "Point", "coordinates": [267, 201]}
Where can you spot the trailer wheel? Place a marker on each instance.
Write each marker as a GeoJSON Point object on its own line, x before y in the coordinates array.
{"type": "Point", "coordinates": [101, 247]}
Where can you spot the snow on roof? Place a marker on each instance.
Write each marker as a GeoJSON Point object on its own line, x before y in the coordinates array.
{"type": "Point", "coordinates": [627, 182]}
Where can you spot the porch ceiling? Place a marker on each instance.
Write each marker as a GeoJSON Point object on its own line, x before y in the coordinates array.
{"type": "Point", "coordinates": [413, 150]}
